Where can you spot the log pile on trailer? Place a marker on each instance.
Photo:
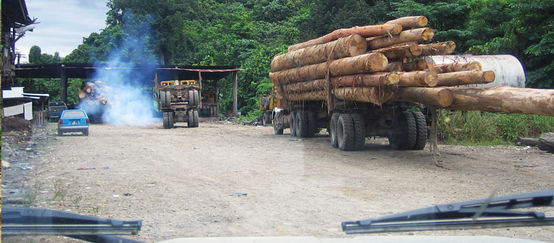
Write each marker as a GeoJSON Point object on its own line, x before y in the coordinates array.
{"type": "Point", "coordinates": [372, 75]}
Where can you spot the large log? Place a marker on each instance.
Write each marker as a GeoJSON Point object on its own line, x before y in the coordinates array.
{"type": "Point", "coordinates": [438, 97]}
{"type": "Point", "coordinates": [365, 31]}
{"type": "Point", "coordinates": [504, 99]}
{"type": "Point", "coordinates": [344, 47]}
{"type": "Point", "coordinates": [367, 63]}
{"type": "Point", "coordinates": [458, 66]}
{"type": "Point", "coordinates": [465, 77]}
{"type": "Point", "coordinates": [375, 95]}
{"type": "Point", "coordinates": [417, 79]}
{"type": "Point", "coordinates": [439, 48]}
{"type": "Point", "coordinates": [415, 35]}
{"type": "Point", "coordinates": [358, 80]}
{"type": "Point", "coordinates": [410, 21]}
{"type": "Point", "coordinates": [400, 51]}
{"type": "Point", "coordinates": [415, 65]}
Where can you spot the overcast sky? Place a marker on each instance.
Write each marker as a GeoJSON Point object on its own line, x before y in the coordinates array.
{"type": "Point", "coordinates": [62, 25]}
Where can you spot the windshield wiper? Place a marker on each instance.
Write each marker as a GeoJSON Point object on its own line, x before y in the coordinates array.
{"type": "Point", "coordinates": [38, 221]}
{"type": "Point", "coordinates": [485, 213]}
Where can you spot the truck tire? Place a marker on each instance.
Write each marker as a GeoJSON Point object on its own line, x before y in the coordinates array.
{"type": "Point", "coordinates": [345, 132]}
{"type": "Point", "coordinates": [333, 129]}
{"type": "Point", "coordinates": [359, 131]}
{"type": "Point", "coordinates": [421, 125]}
{"type": "Point", "coordinates": [168, 99]}
{"type": "Point", "coordinates": [192, 100]}
{"type": "Point", "coordinates": [166, 120]}
{"type": "Point", "coordinates": [162, 100]}
{"type": "Point", "coordinates": [277, 122]}
{"type": "Point", "coordinates": [190, 118]}
{"type": "Point", "coordinates": [196, 98]}
{"type": "Point", "coordinates": [196, 117]}
{"type": "Point", "coordinates": [292, 123]}
{"type": "Point", "coordinates": [171, 119]}
{"type": "Point", "coordinates": [85, 132]}
{"type": "Point", "coordinates": [277, 130]}
{"type": "Point", "coordinates": [404, 135]}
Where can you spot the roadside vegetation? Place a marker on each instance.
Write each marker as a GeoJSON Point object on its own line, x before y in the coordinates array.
{"type": "Point", "coordinates": [485, 128]}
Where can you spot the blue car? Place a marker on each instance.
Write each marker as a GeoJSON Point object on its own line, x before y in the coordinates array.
{"type": "Point", "coordinates": [74, 120]}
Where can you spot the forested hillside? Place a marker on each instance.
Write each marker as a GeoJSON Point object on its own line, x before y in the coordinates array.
{"type": "Point", "coordinates": [248, 33]}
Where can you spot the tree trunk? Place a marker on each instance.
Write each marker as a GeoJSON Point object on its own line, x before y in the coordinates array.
{"type": "Point", "coordinates": [439, 48]}
{"type": "Point", "coordinates": [400, 51]}
{"type": "Point", "coordinates": [504, 99]}
{"type": "Point", "coordinates": [465, 77]}
{"type": "Point", "coordinates": [344, 47]}
{"type": "Point", "coordinates": [415, 35]}
{"type": "Point", "coordinates": [367, 63]}
{"type": "Point", "coordinates": [458, 66]}
{"type": "Point", "coordinates": [410, 21]}
{"type": "Point", "coordinates": [365, 31]}
{"type": "Point", "coordinates": [359, 80]}
{"type": "Point", "coordinates": [417, 79]}
{"type": "Point", "coordinates": [438, 97]}
{"type": "Point", "coordinates": [375, 95]}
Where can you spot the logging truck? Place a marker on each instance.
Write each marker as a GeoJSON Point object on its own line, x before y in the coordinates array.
{"type": "Point", "coordinates": [179, 101]}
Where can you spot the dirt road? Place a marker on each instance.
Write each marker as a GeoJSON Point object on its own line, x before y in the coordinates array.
{"type": "Point", "coordinates": [233, 180]}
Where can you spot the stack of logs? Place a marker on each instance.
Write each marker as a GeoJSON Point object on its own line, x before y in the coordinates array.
{"type": "Point", "coordinates": [93, 92]}
{"type": "Point", "coordinates": [386, 63]}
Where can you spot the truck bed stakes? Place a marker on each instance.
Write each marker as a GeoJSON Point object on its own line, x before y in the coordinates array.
{"type": "Point", "coordinates": [363, 81]}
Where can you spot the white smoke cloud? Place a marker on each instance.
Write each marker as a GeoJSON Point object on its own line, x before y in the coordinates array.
{"type": "Point", "coordinates": [129, 102]}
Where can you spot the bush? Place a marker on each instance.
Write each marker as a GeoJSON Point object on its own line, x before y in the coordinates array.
{"type": "Point", "coordinates": [484, 128]}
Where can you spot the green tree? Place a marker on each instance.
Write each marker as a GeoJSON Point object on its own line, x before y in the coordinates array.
{"type": "Point", "coordinates": [34, 55]}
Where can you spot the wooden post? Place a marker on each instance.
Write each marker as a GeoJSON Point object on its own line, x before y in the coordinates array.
{"type": "Point", "coordinates": [235, 87]}
{"type": "Point", "coordinates": [200, 91]}
{"type": "Point", "coordinates": [63, 84]}
{"type": "Point", "coordinates": [216, 98]}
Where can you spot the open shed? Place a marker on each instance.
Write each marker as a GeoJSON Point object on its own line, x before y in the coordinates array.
{"type": "Point", "coordinates": [162, 72]}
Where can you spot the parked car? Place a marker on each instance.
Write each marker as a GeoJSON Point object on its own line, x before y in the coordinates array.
{"type": "Point", "coordinates": [55, 110]}
{"type": "Point", "coordinates": [75, 120]}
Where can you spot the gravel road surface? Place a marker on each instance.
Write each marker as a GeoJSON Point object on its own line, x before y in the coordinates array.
{"type": "Point", "coordinates": [225, 179]}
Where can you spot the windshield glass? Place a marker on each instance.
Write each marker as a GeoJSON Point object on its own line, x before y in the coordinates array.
{"type": "Point", "coordinates": [73, 114]}
{"type": "Point", "coordinates": [275, 117]}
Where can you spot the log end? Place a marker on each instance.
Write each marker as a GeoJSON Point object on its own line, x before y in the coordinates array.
{"type": "Point", "coordinates": [421, 21]}
{"type": "Point", "coordinates": [357, 45]}
{"type": "Point", "coordinates": [428, 34]}
{"type": "Point", "coordinates": [396, 29]}
{"type": "Point", "coordinates": [415, 50]}
{"type": "Point", "coordinates": [488, 76]}
{"type": "Point", "coordinates": [445, 98]}
{"type": "Point", "coordinates": [476, 66]}
{"type": "Point", "coordinates": [430, 79]}
{"type": "Point", "coordinates": [376, 62]}
{"type": "Point", "coordinates": [393, 79]}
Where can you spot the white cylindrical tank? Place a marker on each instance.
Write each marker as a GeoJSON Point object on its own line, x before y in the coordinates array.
{"type": "Point", "coordinates": [507, 68]}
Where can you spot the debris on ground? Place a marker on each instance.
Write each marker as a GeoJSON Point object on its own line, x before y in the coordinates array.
{"type": "Point", "coordinates": [545, 142]}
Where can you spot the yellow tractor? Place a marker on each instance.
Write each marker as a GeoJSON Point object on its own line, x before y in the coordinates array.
{"type": "Point", "coordinates": [267, 103]}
